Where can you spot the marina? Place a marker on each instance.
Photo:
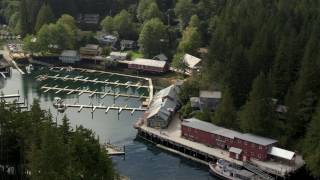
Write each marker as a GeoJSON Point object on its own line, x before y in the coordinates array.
{"type": "Point", "coordinates": [79, 91]}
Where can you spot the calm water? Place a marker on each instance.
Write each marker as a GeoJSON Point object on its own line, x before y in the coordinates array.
{"type": "Point", "coordinates": [143, 160]}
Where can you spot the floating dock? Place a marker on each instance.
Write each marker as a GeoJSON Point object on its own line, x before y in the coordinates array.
{"type": "Point", "coordinates": [107, 108]}
{"type": "Point", "coordinates": [115, 150]}
{"type": "Point", "coordinates": [94, 92]}
{"type": "Point", "coordinates": [85, 80]}
{"type": "Point", "coordinates": [10, 96]}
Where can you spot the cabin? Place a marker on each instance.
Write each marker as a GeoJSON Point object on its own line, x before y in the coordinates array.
{"type": "Point", "coordinates": [163, 107]}
{"type": "Point", "coordinates": [90, 50]}
{"type": "Point", "coordinates": [69, 57]}
{"type": "Point", "coordinates": [241, 146]}
{"type": "Point", "coordinates": [149, 65]}
{"type": "Point", "coordinates": [192, 63]}
{"type": "Point", "coordinates": [127, 44]}
{"type": "Point", "coordinates": [208, 100]}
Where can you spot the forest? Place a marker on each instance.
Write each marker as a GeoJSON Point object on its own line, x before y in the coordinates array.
{"type": "Point", "coordinates": [34, 146]}
{"type": "Point", "coordinates": [261, 53]}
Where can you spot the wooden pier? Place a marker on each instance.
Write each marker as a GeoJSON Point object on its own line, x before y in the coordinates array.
{"type": "Point", "coordinates": [94, 92]}
{"type": "Point", "coordinates": [87, 80]}
{"type": "Point", "coordinates": [171, 140]}
{"type": "Point", "coordinates": [101, 106]}
{"type": "Point", "coordinates": [9, 96]}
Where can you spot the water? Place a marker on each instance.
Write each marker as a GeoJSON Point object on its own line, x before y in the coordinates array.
{"type": "Point", "coordinates": [143, 161]}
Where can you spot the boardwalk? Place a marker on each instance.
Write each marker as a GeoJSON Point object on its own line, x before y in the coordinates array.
{"type": "Point", "coordinates": [95, 81]}
{"type": "Point", "coordinates": [95, 92]}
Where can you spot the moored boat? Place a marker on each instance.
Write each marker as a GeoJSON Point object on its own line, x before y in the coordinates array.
{"type": "Point", "coordinates": [225, 170]}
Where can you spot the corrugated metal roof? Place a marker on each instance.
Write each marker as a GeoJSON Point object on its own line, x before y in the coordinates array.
{"type": "Point", "coordinates": [191, 61]}
{"type": "Point", "coordinates": [235, 150]}
{"type": "Point", "coordinates": [201, 125]}
{"type": "Point", "coordinates": [257, 139]}
{"type": "Point", "coordinates": [282, 153]}
{"type": "Point", "coordinates": [149, 62]}
{"type": "Point", "coordinates": [227, 133]}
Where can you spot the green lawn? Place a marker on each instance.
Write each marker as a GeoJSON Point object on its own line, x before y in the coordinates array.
{"type": "Point", "coordinates": [135, 54]}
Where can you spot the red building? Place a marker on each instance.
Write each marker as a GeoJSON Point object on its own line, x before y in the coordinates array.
{"type": "Point", "coordinates": [240, 146]}
{"type": "Point", "coordinates": [149, 65]}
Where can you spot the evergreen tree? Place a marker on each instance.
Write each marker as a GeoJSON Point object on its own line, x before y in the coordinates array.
{"type": "Point", "coordinates": [311, 148]}
{"type": "Point", "coordinates": [226, 115]}
{"type": "Point", "coordinates": [184, 9]}
{"type": "Point", "coordinates": [45, 16]}
{"type": "Point", "coordinates": [24, 24]}
{"type": "Point", "coordinates": [257, 115]}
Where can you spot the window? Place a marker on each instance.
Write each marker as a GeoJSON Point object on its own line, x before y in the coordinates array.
{"type": "Point", "coordinates": [252, 145]}
{"type": "Point", "coordinates": [259, 156]}
{"type": "Point", "coordinates": [246, 143]}
{"type": "Point", "coordinates": [260, 147]}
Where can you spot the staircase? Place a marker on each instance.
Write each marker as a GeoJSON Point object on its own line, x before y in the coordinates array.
{"type": "Point", "coordinates": [257, 171]}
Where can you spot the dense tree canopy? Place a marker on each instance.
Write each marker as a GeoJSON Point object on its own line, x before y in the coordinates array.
{"type": "Point", "coordinates": [38, 148]}
{"type": "Point", "coordinates": [153, 38]}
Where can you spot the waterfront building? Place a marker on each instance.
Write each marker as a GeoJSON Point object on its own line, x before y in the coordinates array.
{"type": "Point", "coordinates": [69, 56]}
{"type": "Point", "coordinates": [241, 146]}
{"type": "Point", "coordinates": [90, 50]}
{"type": "Point", "coordinates": [149, 65]}
{"type": "Point", "coordinates": [106, 39]}
{"type": "Point", "coordinates": [163, 107]}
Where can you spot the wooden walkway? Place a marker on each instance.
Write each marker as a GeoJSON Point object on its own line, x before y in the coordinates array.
{"type": "Point", "coordinates": [101, 106]}
{"type": "Point", "coordinates": [70, 69]}
{"type": "Point", "coordinates": [95, 92]}
{"type": "Point", "coordinates": [9, 96]}
{"type": "Point", "coordinates": [95, 81]}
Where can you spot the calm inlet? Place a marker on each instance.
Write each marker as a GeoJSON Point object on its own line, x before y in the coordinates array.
{"type": "Point", "coordinates": [142, 160]}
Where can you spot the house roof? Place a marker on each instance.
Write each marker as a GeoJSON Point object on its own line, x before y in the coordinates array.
{"type": "Point", "coordinates": [191, 61]}
{"type": "Point", "coordinates": [281, 153]}
{"type": "Point", "coordinates": [235, 150]}
{"type": "Point", "coordinates": [201, 125]}
{"type": "Point", "coordinates": [160, 57]}
{"type": "Point", "coordinates": [257, 139]}
{"type": "Point", "coordinates": [161, 105]}
{"type": "Point", "coordinates": [149, 62]}
{"type": "Point", "coordinates": [118, 54]}
{"type": "Point", "coordinates": [227, 133]}
{"type": "Point", "coordinates": [69, 53]}
{"type": "Point", "coordinates": [210, 94]}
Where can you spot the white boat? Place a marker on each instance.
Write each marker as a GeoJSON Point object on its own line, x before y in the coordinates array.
{"type": "Point", "coordinates": [225, 170]}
